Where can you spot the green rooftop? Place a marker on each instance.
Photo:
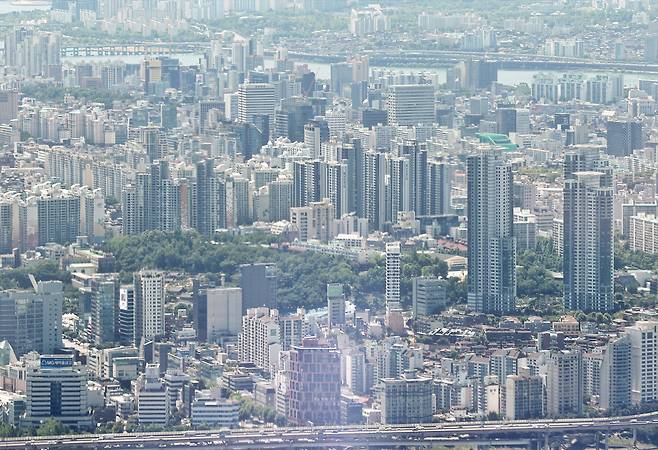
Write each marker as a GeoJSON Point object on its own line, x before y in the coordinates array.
{"type": "Point", "coordinates": [499, 140]}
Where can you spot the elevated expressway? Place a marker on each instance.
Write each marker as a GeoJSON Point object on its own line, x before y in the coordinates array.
{"type": "Point", "coordinates": [529, 434]}
{"type": "Point", "coordinates": [384, 57]}
{"type": "Point", "coordinates": [448, 58]}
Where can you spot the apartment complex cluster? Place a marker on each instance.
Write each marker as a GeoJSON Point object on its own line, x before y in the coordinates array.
{"type": "Point", "coordinates": [359, 163]}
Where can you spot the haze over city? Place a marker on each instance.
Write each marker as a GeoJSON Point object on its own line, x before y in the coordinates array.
{"type": "Point", "coordinates": [328, 224]}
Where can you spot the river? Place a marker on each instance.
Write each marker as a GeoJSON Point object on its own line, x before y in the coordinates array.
{"type": "Point", "coordinates": [508, 77]}
{"type": "Point", "coordinates": [7, 7]}
{"type": "Point", "coordinates": [323, 71]}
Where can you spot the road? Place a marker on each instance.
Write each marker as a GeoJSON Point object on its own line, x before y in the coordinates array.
{"type": "Point", "coordinates": [491, 433]}
{"type": "Point", "coordinates": [384, 57]}
{"type": "Point", "coordinates": [448, 58]}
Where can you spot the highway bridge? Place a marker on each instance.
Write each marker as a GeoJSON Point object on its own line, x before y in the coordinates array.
{"type": "Point", "coordinates": [383, 58]}
{"type": "Point", "coordinates": [520, 434]}
{"type": "Point", "coordinates": [510, 61]}
{"type": "Point", "coordinates": [144, 48]}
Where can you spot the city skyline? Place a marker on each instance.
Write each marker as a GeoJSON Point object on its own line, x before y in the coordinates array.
{"type": "Point", "coordinates": [329, 223]}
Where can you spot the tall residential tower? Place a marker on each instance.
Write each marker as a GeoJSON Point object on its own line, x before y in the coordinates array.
{"type": "Point", "coordinates": [588, 231]}
{"type": "Point", "coordinates": [491, 244]}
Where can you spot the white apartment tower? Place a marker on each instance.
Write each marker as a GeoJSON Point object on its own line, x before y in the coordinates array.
{"type": "Point", "coordinates": [393, 272]}
{"type": "Point", "coordinates": [644, 361]}
{"type": "Point", "coordinates": [564, 383]}
{"type": "Point", "coordinates": [615, 390]}
{"type": "Point", "coordinates": [149, 304]}
{"type": "Point", "coordinates": [260, 341]}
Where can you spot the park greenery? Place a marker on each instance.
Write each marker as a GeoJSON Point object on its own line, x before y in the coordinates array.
{"type": "Point", "coordinates": [43, 270]}
{"type": "Point", "coordinates": [250, 408]}
{"type": "Point", "coordinates": [302, 280]}
{"type": "Point", "coordinates": [289, 25]}
{"type": "Point", "coordinates": [625, 258]}
{"type": "Point", "coordinates": [48, 92]}
{"type": "Point", "coordinates": [535, 272]}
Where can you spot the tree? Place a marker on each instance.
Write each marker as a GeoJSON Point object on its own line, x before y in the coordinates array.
{"type": "Point", "coordinates": [52, 427]}
{"type": "Point", "coordinates": [45, 270]}
{"type": "Point", "coordinates": [302, 279]}
{"type": "Point", "coordinates": [7, 430]}
{"type": "Point", "coordinates": [456, 291]}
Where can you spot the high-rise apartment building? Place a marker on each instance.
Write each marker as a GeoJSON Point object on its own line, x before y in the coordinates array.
{"type": "Point", "coordinates": [313, 222]}
{"type": "Point", "coordinates": [34, 53]}
{"type": "Point", "coordinates": [398, 191]}
{"type": "Point", "coordinates": [6, 226]}
{"type": "Point", "coordinates": [369, 20]}
{"type": "Point", "coordinates": [152, 202]}
{"type": "Point", "coordinates": [280, 199]}
{"type": "Point", "coordinates": [337, 188]}
{"type": "Point", "coordinates": [564, 383]}
{"type": "Point", "coordinates": [491, 244]}
{"type": "Point", "coordinates": [149, 304]}
{"type": "Point", "coordinates": [588, 232]}
{"type": "Point", "coordinates": [8, 105]}
{"type": "Point", "coordinates": [525, 229]}
{"type": "Point", "coordinates": [643, 337]}
{"type": "Point", "coordinates": [308, 185]}
{"type": "Point", "coordinates": [238, 196]}
{"type": "Point", "coordinates": [643, 233]}
{"type": "Point", "coordinates": [410, 178]}
{"type": "Point", "coordinates": [524, 397]}
{"type": "Point", "coordinates": [372, 200]}
{"type": "Point", "coordinates": [293, 328]}
{"type": "Point", "coordinates": [393, 274]}
{"type": "Point", "coordinates": [439, 187]}
{"type": "Point", "coordinates": [207, 199]}
{"type": "Point", "coordinates": [616, 374]}
{"type": "Point", "coordinates": [316, 132]}
{"type": "Point", "coordinates": [57, 216]}
{"type": "Point", "coordinates": [259, 342]}
{"type": "Point", "coordinates": [407, 399]}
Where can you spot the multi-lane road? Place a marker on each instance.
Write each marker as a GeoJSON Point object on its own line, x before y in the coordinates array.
{"type": "Point", "coordinates": [383, 57]}
{"type": "Point", "coordinates": [512, 433]}
{"type": "Point", "coordinates": [447, 58]}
